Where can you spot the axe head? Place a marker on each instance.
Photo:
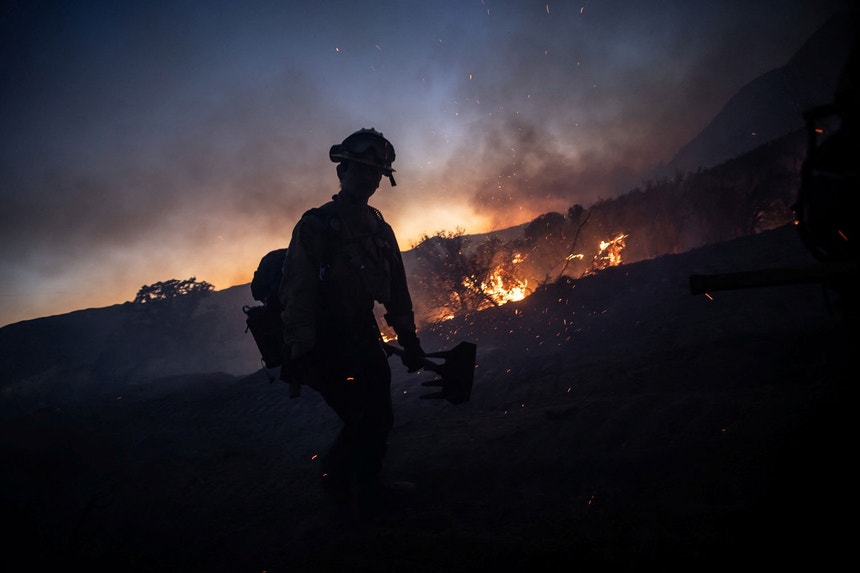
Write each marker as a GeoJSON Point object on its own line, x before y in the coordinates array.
{"type": "Point", "coordinates": [456, 373]}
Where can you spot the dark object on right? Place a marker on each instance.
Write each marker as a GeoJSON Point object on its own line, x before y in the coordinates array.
{"type": "Point", "coordinates": [826, 212]}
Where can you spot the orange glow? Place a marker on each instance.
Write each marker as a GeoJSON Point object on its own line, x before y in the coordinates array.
{"type": "Point", "coordinates": [502, 287]}
{"type": "Point", "coordinates": [609, 254]}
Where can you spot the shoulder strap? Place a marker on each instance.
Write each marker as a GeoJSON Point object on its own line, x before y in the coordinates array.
{"type": "Point", "coordinates": [330, 226]}
{"type": "Point", "coordinates": [377, 213]}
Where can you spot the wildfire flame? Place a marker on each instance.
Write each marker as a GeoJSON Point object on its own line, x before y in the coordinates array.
{"type": "Point", "coordinates": [505, 288]}
{"type": "Point", "coordinates": [499, 288]}
{"type": "Point", "coordinates": [503, 285]}
{"type": "Point", "coordinates": [609, 254]}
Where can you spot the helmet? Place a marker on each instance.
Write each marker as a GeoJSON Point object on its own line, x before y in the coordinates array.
{"type": "Point", "coordinates": [366, 146]}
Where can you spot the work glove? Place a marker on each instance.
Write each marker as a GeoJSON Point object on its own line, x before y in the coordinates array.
{"type": "Point", "coordinates": [292, 376]}
{"type": "Point", "coordinates": [299, 367]}
{"type": "Point", "coordinates": [413, 356]}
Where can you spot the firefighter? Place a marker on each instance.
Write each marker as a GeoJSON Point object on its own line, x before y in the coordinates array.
{"type": "Point", "coordinates": [343, 258]}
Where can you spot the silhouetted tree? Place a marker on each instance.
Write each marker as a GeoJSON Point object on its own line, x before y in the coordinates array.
{"type": "Point", "coordinates": [171, 303]}
{"type": "Point", "coordinates": [168, 290]}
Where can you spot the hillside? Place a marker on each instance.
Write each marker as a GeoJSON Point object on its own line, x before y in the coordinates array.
{"type": "Point", "coordinates": [744, 196]}
{"type": "Point", "coordinates": [616, 422]}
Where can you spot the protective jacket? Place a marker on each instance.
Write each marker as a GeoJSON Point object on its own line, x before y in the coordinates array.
{"type": "Point", "coordinates": [342, 258]}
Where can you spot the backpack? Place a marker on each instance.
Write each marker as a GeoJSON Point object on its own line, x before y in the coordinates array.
{"type": "Point", "coordinates": [263, 321]}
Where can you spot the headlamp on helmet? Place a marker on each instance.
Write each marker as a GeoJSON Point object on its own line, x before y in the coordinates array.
{"type": "Point", "coordinates": [366, 146]}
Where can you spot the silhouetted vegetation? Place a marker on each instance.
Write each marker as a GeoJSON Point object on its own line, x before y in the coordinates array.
{"type": "Point", "coordinates": [669, 215]}
{"type": "Point", "coordinates": [455, 279]}
{"type": "Point", "coordinates": [171, 302]}
{"type": "Point", "coordinates": [168, 290]}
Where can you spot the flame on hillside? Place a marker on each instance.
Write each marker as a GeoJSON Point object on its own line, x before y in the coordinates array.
{"type": "Point", "coordinates": [499, 287]}
{"type": "Point", "coordinates": [502, 287]}
{"type": "Point", "coordinates": [609, 254]}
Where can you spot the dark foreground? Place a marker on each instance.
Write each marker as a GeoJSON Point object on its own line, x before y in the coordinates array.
{"type": "Point", "coordinates": [616, 423]}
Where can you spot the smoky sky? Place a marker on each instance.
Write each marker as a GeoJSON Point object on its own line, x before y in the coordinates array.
{"type": "Point", "coordinates": [149, 141]}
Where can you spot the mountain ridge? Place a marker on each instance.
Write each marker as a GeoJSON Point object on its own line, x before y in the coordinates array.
{"type": "Point", "coordinates": [772, 104]}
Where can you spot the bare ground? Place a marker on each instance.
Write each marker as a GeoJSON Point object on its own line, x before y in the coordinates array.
{"type": "Point", "coordinates": [616, 423]}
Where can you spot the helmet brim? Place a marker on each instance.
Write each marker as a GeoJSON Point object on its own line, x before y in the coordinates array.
{"type": "Point", "coordinates": [338, 155]}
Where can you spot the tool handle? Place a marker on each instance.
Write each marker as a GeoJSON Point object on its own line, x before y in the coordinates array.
{"type": "Point", "coordinates": [426, 362]}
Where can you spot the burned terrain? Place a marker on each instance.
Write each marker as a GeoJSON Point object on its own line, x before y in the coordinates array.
{"type": "Point", "coordinates": [616, 422]}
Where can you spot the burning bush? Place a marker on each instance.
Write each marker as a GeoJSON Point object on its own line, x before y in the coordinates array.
{"type": "Point", "coordinates": [455, 280]}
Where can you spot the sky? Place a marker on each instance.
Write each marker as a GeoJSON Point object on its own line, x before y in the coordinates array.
{"type": "Point", "coordinates": [149, 141]}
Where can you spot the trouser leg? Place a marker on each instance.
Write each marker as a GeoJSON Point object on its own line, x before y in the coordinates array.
{"type": "Point", "coordinates": [363, 403]}
{"type": "Point", "coordinates": [372, 431]}
{"type": "Point", "coordinates": [335, 471]}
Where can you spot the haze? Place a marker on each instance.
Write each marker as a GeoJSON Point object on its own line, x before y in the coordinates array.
{"type": "Point", "coordinates": [150, 141]}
